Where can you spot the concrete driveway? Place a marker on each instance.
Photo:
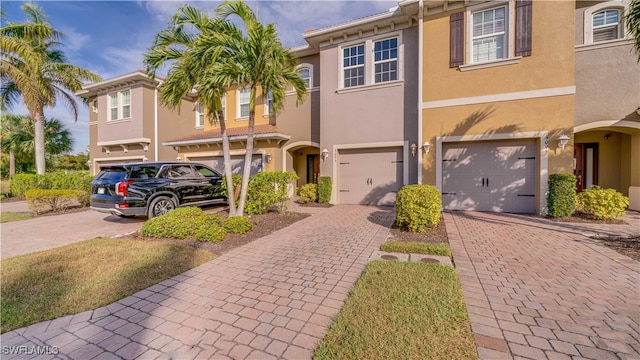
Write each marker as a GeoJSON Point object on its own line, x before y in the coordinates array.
{"type": "Point", "coordinates": [47, 232]}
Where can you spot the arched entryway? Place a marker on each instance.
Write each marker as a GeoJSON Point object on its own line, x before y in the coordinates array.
{"type": "Point", "coordinates": [303, 158]}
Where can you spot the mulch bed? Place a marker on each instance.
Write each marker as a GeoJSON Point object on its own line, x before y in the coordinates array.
{"type": "Point", "coordinates": [629, 246]}
{"type": "Point", "coordinates": [434, 235]}
{"type": "Point", "coordinates": [584, 218]}
{"type": "Point", "coordinates": [263, 225]}
{"type": "Point", "coordinates": [313, 204]}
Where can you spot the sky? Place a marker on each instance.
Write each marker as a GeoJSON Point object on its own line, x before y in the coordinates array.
{"type": "Point", "coordinates": [110, 37]}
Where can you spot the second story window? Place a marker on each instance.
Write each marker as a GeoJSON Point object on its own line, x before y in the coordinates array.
{"type": "Point", "coordinates": [243, 102]}
{"type": "Point", "coordinates": [353, 65]}
{"type": "Point", "coordinates": [386, 60]}
{"type": "Point", "coordinates": [224, 106]}
{"type": "Point", "coordinates": [305, 74]}
{"type": "Point", "coordinates": [199, 115]}
{"type": "Point", "coordinates": [268, 102]}
{"type": "Point", "coordinates": [489, 34]}
{"type": "Point", "coordinates": [606, 25]}
{"type": "Point", "coordinates": [120, 105]}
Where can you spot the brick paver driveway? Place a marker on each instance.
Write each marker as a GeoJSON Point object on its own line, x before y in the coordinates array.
{"type": "Point", "coordinates": [272, 298]}
{"type": "Point", "coordinates": [539, 290]}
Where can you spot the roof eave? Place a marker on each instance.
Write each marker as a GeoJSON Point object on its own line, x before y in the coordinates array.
{"type": "Point", "coordinates": [265, 136]}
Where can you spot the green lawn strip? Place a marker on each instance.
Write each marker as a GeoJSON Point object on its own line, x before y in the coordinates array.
{"type": "Point", "coordinates": [85, 276]}
{"type": "Point", "coordinates": [416, 248]}
{"type": "Point", "coordinates": [13, 216]}
{"type": "Point", "coordinates": [401, 310]}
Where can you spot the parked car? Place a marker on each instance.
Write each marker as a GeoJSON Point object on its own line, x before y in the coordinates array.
{"type": "Point", "coordinates": [154, 188]}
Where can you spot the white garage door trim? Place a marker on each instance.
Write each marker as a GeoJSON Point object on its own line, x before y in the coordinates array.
{"type": "Point", "coordinates": [374, 145]}
{"type": "Point", "coordinates": [196, 155]}
{"type": "Point", "coordinates": [95, 163]}
{"type": "Point", "coordinates": [542, 136]}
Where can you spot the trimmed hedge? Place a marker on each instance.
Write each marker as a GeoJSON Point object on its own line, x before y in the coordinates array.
{"type": "Point", "coordinates": [21, 183]}
{"type": "Point", "coordinates": [602, 204]}
{"type": "Point", "coordinates": [185, 223]}
{"type": "Point", "coordinates": [238, 225]}
{"type": "Point", "coordinates": [324, 189]}
{"type": "Point", "coordinates": [561, 196]}
{"type": "Point", "coordinates": [57, 200]}
{"type": "Point", "coordinates": [418, 207]}
{"type": "Point", "coordinates": [309, 193]}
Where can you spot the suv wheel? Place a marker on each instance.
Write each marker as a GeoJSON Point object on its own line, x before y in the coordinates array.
{"type": "Point", "coordinates": [160, 206]}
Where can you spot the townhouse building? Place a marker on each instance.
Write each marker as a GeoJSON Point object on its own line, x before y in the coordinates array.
{"type": "Point", "coordinates": [483, 99]}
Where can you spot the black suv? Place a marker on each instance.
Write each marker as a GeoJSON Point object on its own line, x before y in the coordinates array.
{"type": "Point", "coordinates": [153, 188]}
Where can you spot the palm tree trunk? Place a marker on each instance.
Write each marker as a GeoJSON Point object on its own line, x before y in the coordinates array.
{"type": "Point", "coordinates": [227, 165]}
{"type": "Point", "coordinates": [38, 119]}
{"type": "Point", "coordinates": [246, 173]}
{"type": "Point", "coordinates": [12, 164]}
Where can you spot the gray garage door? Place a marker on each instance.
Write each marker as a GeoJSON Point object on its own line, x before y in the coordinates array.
{"type": "Point", "coordinates": [495, 176]}
{"type": "Point", "coordinates": [237, 163]}
{"type": "Point", "coordinates": [369, 176]}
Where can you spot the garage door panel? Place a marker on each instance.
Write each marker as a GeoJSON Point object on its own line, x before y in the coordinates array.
{"type": "Point", "coordinates": [237, 163]}
{"type": "Point", "coordinates": [369, 176]}
{"type": "Point", "coordinates": [490, 176]}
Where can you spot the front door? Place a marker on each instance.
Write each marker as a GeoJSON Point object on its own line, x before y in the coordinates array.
{"type": "Point", "coordinates": [313, 168]}
{"type": "Point", "coordinates": [586, 165]}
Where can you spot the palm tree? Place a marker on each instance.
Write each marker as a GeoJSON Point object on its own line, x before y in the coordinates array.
{"type": "Point", "coordinates": [191, 44]}
{"type": "Point", "coordinates": [255, 59]}
{"type": "Point", "coordinates": [18, 138]}
{"type": "Point", "coordinates": [33, 69]}
{"type": "Point", "coordinates": [633, 24]}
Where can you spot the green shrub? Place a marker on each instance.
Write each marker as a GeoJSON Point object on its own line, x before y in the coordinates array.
{"type": "Point", "coordinates": [185, 223]}
{"type": "Point", "coordinates": [418, 207]}
{"type": "Point", "coordinates": [268, 189]}
{"type": "Point", "coordinates": [601, 204]}
{"type": "Point", "coordinates": [21, 183]}
{"type": "Point", "coordinates": [236, 179]}
{"type": "Point", "coordinates": [309, 193]}
{"type": "Point", "coordinates": [324, 189]}
{"type": "Point", "coordinates": [238, 225]}
{"type": "Point", "coordinates": [561, 195]}
{"type": "Point", "coordinates": [57, 200]}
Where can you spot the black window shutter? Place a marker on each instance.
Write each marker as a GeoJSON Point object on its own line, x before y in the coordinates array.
{"type": "Point", "coordinates": [523, 27]}
{"type": "Point", "coordinates": [456, 39]}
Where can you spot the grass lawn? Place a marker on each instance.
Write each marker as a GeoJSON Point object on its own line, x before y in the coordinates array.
{"type": "Point", "coordinates": [401, 310]}
{"type": "Point", "coordinates": [416, 248]}
{"type": "Point", "coordinates": [13, 216]}
{"type": "Point", "coordinates": [85, 276]}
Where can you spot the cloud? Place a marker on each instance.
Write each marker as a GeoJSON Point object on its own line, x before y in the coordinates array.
{"type": "Point", "coordinates": [74, 40]}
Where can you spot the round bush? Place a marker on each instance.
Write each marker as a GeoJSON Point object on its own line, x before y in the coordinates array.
{"type": "Point", "coordinates": [238, 225]}
{"type": "Point", "coordinates": [601, 204]}
{"type": "Point", "coordinates": [309, 193]}
{"type": "Point", "coordinates": [183, 223]}
{"type": "Point", "coordinates": [418, 207]}
{"type": "Point", "coordinates": [210, 233]}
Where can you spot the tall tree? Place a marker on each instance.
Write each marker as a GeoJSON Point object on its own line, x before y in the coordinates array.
{"type": "Point", "coordinates": [255, 59]}
{"type": "Point", "coordinates": [633, 24]}
{"type": "Point", "coordinates": [18, 138]}
{"type": "Point", "coordinates": [190, 45]}
{"type": "Point", "coordinates": [34, 69]}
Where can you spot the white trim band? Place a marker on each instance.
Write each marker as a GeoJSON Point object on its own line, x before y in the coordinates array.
{"type": "Point", "coordinates": [519, 95]}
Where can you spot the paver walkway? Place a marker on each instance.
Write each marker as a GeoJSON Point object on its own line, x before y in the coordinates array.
{"type": "Point", "coordinates": [272, 298]}
{"type": "Point", "coordinates": [542, 290]}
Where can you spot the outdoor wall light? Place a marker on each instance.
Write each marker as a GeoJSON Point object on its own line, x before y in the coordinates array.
{"type": "Point", "coordinates": [178, 158]}
{"type": "Point", "coordinates": [426, 147]}
{"type": "Point", "coordinates": [414, 150]}
{"type": "Point", "coordinates": [324, 154]}
{"type": "Point", "coordinates": [268, 158]}
{"type": "Point", "coordinates": [89, 163]}
{"type": "Point", "coordinates": [145, 159]}
{"type": "Point", "coordinates": [563, 140]}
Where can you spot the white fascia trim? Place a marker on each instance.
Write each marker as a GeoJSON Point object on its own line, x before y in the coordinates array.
{"type": "Point", "coordinates": [276, 136]}
{"type": "Point", "coordinates": [286, 148]}
{"type": "Point", "coordinates": [351, 24]}
{"type": "Point", "coordinates": [518, 95]}
{"type": "Point", "coordinates": [606, 123]}
{"type": "Point", "coordinates": [125, 141]}
{"type": "Point", "coordinates": [195, 155]}
{"type": "Point", "coordinates": [384, 144]}
{"type": "Point", "coordinates": [542, 136]}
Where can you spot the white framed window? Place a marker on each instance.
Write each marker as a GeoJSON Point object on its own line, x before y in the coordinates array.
{"type": "Point", "coordinates": [353, 65]}
{"type": "Point", "coordinates": [199, 115]}
{"type": "Point", "coordinates": [120, 105]}
{"type": "Point", "coordinates": [306, 73]}
{"type": "Point", "coordinates": [489, 34]}
{"type": "Point", "coordinates": [385, 60]}
{"type": "Point", "coordinates": [607, 25]}
{"type": "Point", "coordinates": [224, 106]}
{"type": "Point", "coordinates": [243, 97]}
{"type": "Point", "coordinates": [268, 102]}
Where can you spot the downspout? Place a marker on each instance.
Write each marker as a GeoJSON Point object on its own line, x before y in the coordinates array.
{"type": "Point", "coordinates": [420, 64]}
{"type": "Point", "coordinates": [155, 122]}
